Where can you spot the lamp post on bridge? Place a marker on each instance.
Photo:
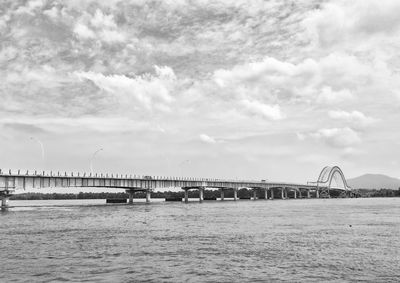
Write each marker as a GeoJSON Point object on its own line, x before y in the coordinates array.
{"type": "Point", "coordinates": [92, 158]}
{"type": "Point", "coordinates": [41, 147]}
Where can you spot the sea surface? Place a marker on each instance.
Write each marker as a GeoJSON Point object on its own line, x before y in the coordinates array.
{"type": "Point", "coordinates": [303, 240]}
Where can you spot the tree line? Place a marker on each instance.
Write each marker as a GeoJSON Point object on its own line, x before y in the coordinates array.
{"type": "Point", "coordinates": [368, 193]}
{"type": "Point", "coordinates": [242, 193]}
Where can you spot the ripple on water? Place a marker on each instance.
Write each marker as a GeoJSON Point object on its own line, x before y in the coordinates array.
{"type": "Point", "coordinates": [286, 241]}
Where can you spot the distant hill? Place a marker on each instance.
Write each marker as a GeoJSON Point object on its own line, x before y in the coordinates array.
{"type": "Point", "coordinates": [374, 181]}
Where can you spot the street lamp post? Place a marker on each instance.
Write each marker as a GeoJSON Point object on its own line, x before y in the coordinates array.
{"type": "Point", "coordinates": [92, 159]}
{"type": "Point", "coordinates": [41, 147]}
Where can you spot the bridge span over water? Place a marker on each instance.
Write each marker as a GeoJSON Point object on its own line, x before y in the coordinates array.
{"type": "Point", "coordinates": [331, 179]}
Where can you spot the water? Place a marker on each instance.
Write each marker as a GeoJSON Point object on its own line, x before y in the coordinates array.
{"type": "Point", "coordinates": [244, 241]}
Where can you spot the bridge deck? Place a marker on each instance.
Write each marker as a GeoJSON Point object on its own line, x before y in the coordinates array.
{"type": "Point", "coordinates": [17, 181]}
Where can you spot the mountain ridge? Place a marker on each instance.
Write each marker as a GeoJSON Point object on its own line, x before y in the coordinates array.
{"type": "Point", "coordinates": [374, 181]}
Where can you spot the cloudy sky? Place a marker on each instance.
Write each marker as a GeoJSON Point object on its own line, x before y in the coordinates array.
{"type": "Point", "coordinates": [240, 89]}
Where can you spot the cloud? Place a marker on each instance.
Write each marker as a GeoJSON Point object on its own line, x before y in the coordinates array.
{"type": "Point", "coordinates": [52, 13]}
{"type": "Point", "coordinates": [106, 124]}
{"type": "Point", "coordinates": [266, 111]}
{"type": "Point", "coordinates": [30, 7]}
{"type": "Point", "coordinates": [100, 20]}
{"type": "Point", "coordinates": [8, 53]}
{"type": "Point", "coordinates": [361, 23]}
{"type": "Point", "coordinates": [355, 118]}
{"type": "Point", "coordinates": [337, 137]}
{"type": "Point", "coordinates": [207, 139]}
{"type": "Point", "coordinates": [83, 31]}
{"type": "Point", "coordinates": [112, 36]}
{"type": "Point", "coordinates": [22, 127]}
{"type": "Point", "coordinates": [329, 96]}
{"type": "Point", "coordinates": [327, 80]}
{"type": "Point", "coordinates": [136, 92]}
{"type": "Point", "coordinates": [99, 26]}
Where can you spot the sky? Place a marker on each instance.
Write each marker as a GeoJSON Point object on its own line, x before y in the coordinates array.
{"type": "Point", "coordinates": [240, 89]}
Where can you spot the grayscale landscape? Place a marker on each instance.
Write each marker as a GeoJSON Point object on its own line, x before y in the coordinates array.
{"type": "Point", "coordinates": [199, 141]}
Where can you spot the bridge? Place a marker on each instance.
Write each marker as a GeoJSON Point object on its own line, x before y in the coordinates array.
{"type": "Point", "coordinates": [331, 179]}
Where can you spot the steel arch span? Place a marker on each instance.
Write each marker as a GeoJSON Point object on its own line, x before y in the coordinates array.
{"type": "Point", "coordinates": [332, 178]}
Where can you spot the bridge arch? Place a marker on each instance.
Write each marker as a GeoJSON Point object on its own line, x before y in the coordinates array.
{"type": "Point", "coordinates": [332, 177]}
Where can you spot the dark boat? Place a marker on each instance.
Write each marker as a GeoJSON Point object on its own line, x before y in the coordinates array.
{"type": "Point", "coordinates": [173, 199]}
{"type": "Point", "coordinates": [116, 200]}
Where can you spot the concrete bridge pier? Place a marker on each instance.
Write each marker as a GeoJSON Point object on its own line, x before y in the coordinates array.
{"type": "Point", "coordinates": [4, 202]}
{"type": "Point", "coordinates": [130, 193]}
{"type": "Point", "coordinates": [148, 196]}
{"type": "Point", "coordinates": [254, 194]}
{"type": "Point", "coordinates": [201, 194]}
{"type": "Point", "coordinates": [308, 194]}
{"type": "Point", "coordinates": [295, 194]}
{"type": "Point", "coordinates": [282, 193]}
{"type": "Point", "coordinates": [266, 193]}
{"type": "Point", "coordinates": [186, 195]}
{"type": "Point", "coordinates": [235, 197]}
{"type": "Point", "coordinates": [222, 194]}
{"type": "Point", "coordinates": [272, 193]}
{"type": "Point", "coordinates": [300, 194]}
{"type": "Point", "coordinates": [317, 193]}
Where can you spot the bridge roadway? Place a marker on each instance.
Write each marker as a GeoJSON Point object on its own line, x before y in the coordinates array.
{"type": "Point", "coordinates": [17, 182]}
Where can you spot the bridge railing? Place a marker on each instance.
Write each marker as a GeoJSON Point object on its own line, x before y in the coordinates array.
{"type": "Point", "coordinates": [19, 179]}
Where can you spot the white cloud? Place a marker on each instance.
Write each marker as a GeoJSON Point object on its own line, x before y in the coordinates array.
{"type": "Point", "coordinates": [8, 53]}
{"type": "Point", "coordinates": [266, 111]}
{"type": "Point", "coordinates": [146, 91]}
{"type": "Point", "coordinates": [99, 26]}
{"type": "Point", "coordinates": [30, 7]}
{"type": "Point", "coordinates": [111, 36]}
{"type": "Point", "coordinates": [337, 137]}
{"type": "Point", "coordinates": [52, 13]}
{"type": "Point", "coordinates": [330, 79]}
{"type": "Point", "coordinates": [355, 118]}
{"type": "Point", "coordinates": [165, 72]}
{"type": "Point", "coordinates": [107, 124]}
{"type": "Point", "coordinates": [360, 23]}
{"type": "Point", "coordinates": [100, 20]}
{"type": "Point", "coordinates": [207, 139]}
{"type": "Point", "coordinates": [83, 31]}
{"type": "Point", "coordinates": [329, 96]}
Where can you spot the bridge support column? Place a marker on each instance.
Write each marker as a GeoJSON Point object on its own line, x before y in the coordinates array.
{"type": "Point", "coordinates": [295, 194]}
{"type": "Point", "coordinates": [4, 202]}
{"type": "Point", "coordinates": [186, 195]}
{"type": "Point", "coordinates": [254, 194]}
{"type": "Point", "coordinates": [222, 194]}
{"type": "Point", "coordinates": [300, 194]}
{"type": "Point", "coordinates": [272, 193]}
{"type": "Point", "coordinates": [148, 196]}
{"type": "Point", "coordinates": [235, 194]}
{"type": "Point", "coordinates": [266, 193]}
{"type": "Point", "coordinates": [130, 193]}
{"type": "Point", "coordinates": [308, 194]}
{"type": "Point", "coordinates": [317, 193]}
{"type": "Point", "coordinates": [282, 193]}
{"type": "Point", "coordinates": [201, 194]}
